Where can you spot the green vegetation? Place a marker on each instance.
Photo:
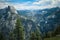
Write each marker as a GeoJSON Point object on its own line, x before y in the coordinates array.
{"type": "Point", "coordinates": [11, 36]}
{"type": "Point", "coordinates": [1, 36]}
{"type": "Point", "coordinates": [19, 30]}
{"type": "Point", "coordinates": [35, 35]}
{"type": "Point", "coordinates": [19, 34]}
{"type": "Point", "coordinates": [52, 38]}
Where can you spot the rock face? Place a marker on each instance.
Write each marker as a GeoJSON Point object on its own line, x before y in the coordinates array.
{"type": "Point", "coordinates": [45, 20]}
{"type": "Point", "coordinates": [8, 18]}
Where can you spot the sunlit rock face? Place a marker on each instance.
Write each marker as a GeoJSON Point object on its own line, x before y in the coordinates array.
{"type": "Point", "coordinates": [8, 18]}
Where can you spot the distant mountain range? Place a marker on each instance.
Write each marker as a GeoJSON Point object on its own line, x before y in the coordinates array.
{"type": "Point", "coordinates": [44, 20]}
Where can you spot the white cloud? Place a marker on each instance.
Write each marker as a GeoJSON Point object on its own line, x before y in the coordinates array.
{"type": "Point", "coordinates": [16, 5]}
{"type": "Point", "coordinates": [47, 2]}
{"type": "Point", "coordinates": [35, 7]}
{"type": "Point", "coordinates": [39, 4]}
{"type": "Point", "coordinates": [5, 0]}
{"type": "Point", "coordinates": [53, 3]}
{"type": "Point", "coordinates": [2, 5]}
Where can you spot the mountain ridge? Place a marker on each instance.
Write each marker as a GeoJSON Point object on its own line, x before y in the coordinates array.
{"type": "Point", "coordinates": [44, 20]}
{"type": "Point", "coordinates": [7, 20]}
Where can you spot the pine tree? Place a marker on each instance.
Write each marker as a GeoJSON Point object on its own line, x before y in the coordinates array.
{"type": "Point", "coordinates": [19, 30]}
{"type": "Point", "coordinates": [11, 36]}
{"type": "Point", "coordinates": [35, 35]}
{"type": "Point", "coordinates": [1, 36]}
{"type": "Point", "coordinates": [38, 35]}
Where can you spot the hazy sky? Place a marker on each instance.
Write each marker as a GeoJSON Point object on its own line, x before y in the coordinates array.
{"type": "Point", "coordinates": [30, 4]}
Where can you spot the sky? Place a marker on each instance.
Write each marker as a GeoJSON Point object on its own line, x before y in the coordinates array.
{"type": "Point", "coordinates": [30, 4]}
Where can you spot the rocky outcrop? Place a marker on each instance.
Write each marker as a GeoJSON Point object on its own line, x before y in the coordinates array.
{"type": "Point", "coordinates": [8, 18]}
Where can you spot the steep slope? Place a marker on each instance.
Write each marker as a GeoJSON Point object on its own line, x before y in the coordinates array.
{"type": "Point", "coordinates": [8, 18]}
{"type": "Point", "coordinates": [46, 20]}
